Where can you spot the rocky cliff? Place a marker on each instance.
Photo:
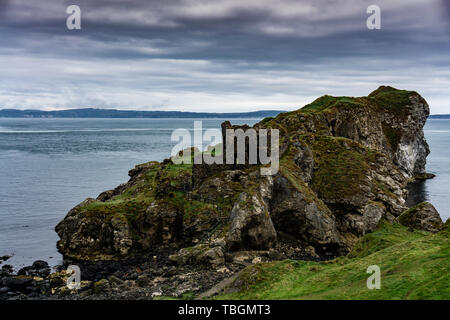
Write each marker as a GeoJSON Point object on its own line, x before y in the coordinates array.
{"type": "Point", "coordinates": [345, 163]}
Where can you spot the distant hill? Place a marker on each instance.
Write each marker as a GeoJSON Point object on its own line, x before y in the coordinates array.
{"type": "Point", "coordinates": [112, 113]}
{"type": "Point", "coordinates": [439, 116]}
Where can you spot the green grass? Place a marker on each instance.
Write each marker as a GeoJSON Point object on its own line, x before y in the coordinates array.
{"type": "Point", "coordinates": [326, 102]}
{"type": "Point", "coordinates": [391, 99]}
{"type": "Point", "coordinates": [134, 200]}
{"type": "Point", "coordinates": [291, 172]}
{"type": "Point", "coordinates": [383, 99]}
{"type": "Point", "coordinates": [414, 265]}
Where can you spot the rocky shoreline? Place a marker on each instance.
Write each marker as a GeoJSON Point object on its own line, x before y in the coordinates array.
{"type": "Point", "coordinates": [186, 231]}
{"type": "Point", "coordinates": [146, 277]}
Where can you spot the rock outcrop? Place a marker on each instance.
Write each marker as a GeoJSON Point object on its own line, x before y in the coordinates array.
{"type": "Point", "coordinates": [201, 254]}
{"type": "Point", "coordinates": [250, 224]}
{"type": "Point", "coordinates": [344, 166]}
{"type": "Point", "coordinates": [423, 216]}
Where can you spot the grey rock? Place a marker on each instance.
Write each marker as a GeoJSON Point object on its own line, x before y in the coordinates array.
{"type": "Point", "coordinates": [383, 135]}
{"type": "Point", "coordinates": [83, 237]}
{"type": "Point", "coordinates": [4, 290]}
{"type": "Point", "coordinates": [39, 264]}
{"type": "Point", "coordinates": [250, 224]}
{"type": "Point", "coordinates": [305, 161]}
{"type": "Point", "coordinates": [102, 286]}
{"type": "Point", "coordinates": [143, 280]}
{"type": "Point", "coordinates": [18, 284]}
{"type": "Point", "coordinates": [115, 281]}
{"type": "Point", "coordinates": [372, 214]}
{"type": "Point", "coordinates": [214, 256]}
{"type": "Point", "coordinates": [200, 254]}
{"type": "Point", "coordinates": [423, 216]}
{"type": "Point", "coordinates": [4, 258]}
{"type": "Point", "coordinates": [302, 217]}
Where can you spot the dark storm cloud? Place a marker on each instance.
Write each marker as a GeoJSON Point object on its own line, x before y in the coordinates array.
{"type": "Point", "coordinates": [203, 53]}
{"type": "Point", "coordinates": [267, 30]}
{"type": "Point", "coordinates": [3, 6]}
{"type": "Point", "coordinates": [446, 11]}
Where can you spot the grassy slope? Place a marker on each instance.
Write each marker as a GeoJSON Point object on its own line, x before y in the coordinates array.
{"type": "Point", "coordinates": [414, 265]}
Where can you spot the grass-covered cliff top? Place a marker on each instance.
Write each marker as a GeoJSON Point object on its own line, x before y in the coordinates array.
{"type": "Point", "coordinates": [388, 98]}
{"type": "Point", "coordinates": [384, 99]}
{"type": "Point", "coordinates": [414, 265]}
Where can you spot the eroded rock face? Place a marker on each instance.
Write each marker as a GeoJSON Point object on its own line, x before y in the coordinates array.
{"type": "Point", "coordinates": [395, 130]}
{"type": "Point", "coordinates": [300, 217]}
{"type": "Point", "coordinates": [388, 120]}
{"type": "Point", "coordinates": [161, 224]}
{"type": "Point", "coordinates": [423, 216]}
{"type": "Point", "coordinates": [250, 224]}
{"type": "Point", "coordinates": [100, 237]}
{"type": "Point", "coordinates": [413, 149]}
{"type": "Point", "coordinates": [304, 159]}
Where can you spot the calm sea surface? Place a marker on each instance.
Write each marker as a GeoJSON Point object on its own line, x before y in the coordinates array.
{"type": "Point", "coordinates": [47, 166]}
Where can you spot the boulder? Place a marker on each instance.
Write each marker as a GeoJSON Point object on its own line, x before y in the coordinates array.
{"type": "Point", "coordinates": [39, 264]}
{"type": "Point", "coordinates": [85, 236]}
{"type": "Point", "coordinates": [115, 281]}
{"type": "Point", "coordinates": [143, 280]}
{"type": "Point", "coordinates": [201, 254]}
{"type": "Point", "coordinates": [102, 286]}
{"type": "Point", "coordinates": [38, 268]}
{"type": "Point", "coordinates": [300, 215]}
{"type": "Point", "coordinates": [372, 214]}
{"type": "Point", "coordinates": [423, 216]}
{"type": "Point", "coordinates": [19, 283]}
{"type": "Point", "coordinates": [4, 258]}
{"type": "Point", "coordinates": [250, 224]}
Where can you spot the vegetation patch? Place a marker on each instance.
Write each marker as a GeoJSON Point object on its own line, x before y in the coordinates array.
{"type": "Point", "coordinates": [393, 136]}
{"type": "Point", "coordinates": [134, 200]}
{"type": "Point", "coordinates": [328, 102]}
{"type": "Point", "coordinates": [290, 171]}
{"type": "Point", "coordinates": [392, 100]}
{"type": "Point", "coordinates": [341, 166]}
{"type": "Point", "coordinates": [414, 265]}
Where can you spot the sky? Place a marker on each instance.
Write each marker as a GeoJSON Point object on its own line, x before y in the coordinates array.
{"type": "Point", "coordinates": [219, 55]}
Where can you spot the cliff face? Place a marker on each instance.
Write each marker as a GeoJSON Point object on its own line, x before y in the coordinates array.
{"type": "Point", "coordinates": [388, 120]}
{"type": "Point", "coordinates": [344, 166]}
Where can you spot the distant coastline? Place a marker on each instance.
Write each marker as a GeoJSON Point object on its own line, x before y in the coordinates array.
{"type": "Point", "coordinates": [113, 113]}
{"type": "Point", "coordinates": [439, 116]}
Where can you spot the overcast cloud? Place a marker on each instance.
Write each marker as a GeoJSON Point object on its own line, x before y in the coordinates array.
{"type": "Point", "coordinates": [219, 55]}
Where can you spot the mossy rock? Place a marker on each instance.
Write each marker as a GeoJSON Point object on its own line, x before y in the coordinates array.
{"type": "Point", "coordinates": [341, 166]}
{"type": "Point", "coordinates": [422, 217]}
{"type": "Point", "coordinates": [102, 286]}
